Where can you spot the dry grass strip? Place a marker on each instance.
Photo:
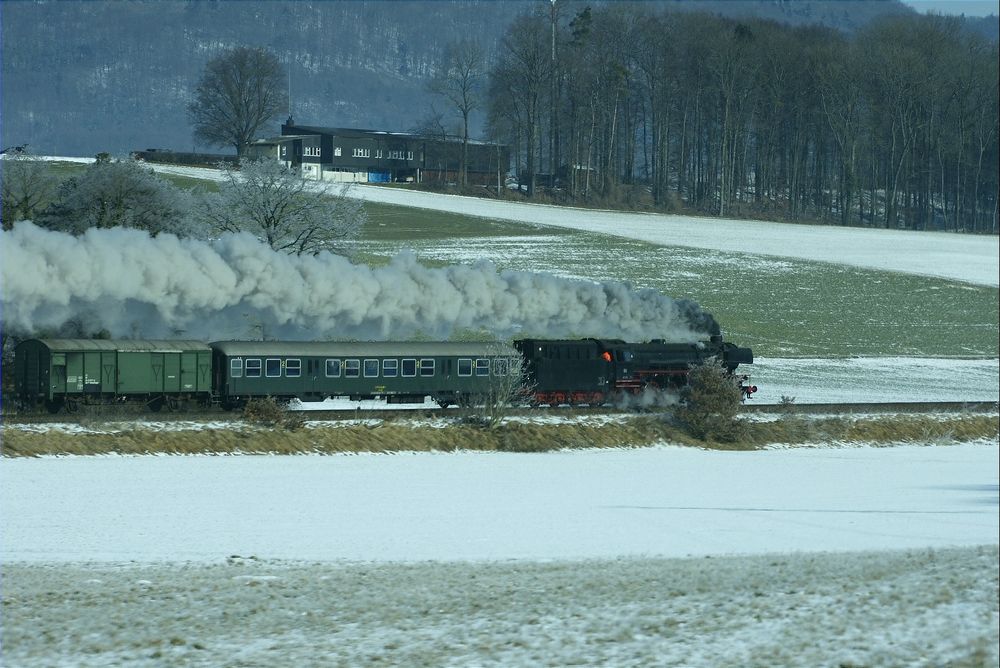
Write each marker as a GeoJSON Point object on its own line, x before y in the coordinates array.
{"type": "Point", "coordinates": [390, 437]}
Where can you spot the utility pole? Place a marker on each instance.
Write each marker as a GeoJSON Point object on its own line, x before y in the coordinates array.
{"type": "Point", "coordinates": [553, 126]}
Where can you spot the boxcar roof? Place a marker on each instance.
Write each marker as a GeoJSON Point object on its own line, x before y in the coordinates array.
{"type": "Point", "coordinates": [360, 349]}
{"type": "Point", "coordinates": [122, 345]}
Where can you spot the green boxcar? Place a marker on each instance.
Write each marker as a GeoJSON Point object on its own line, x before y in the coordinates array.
{"type": "Point", "coordinates": [400, 372]}
{"type": "Point", "coordinates": [68, 372]}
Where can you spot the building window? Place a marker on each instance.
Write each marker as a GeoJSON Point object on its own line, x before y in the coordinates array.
{"type": "Point", "coordinates": [371, 368]}
{"type": "Point", "coordinates": [272, 368]}
{"type": "Point", "coordinates": [464, 367]}
{"type": "Point", "coordinates": [253, 368]}
{"type": "Point", "coordinates": [378, 153]}
{"type": "Point", "coordinates": [352, 368]}
{"type": "Point", "coordinates": [362, 153]}
{"type": "Point", "coordinates": [333, 368]}
{"type": "Point", "coordinates": [312, 151]}
{"type": "Point", "coordinates": [236, 368]}
{"type": "Point", "coordinates": [426, 368]}
{"type": "Point", "coordinates": [336, 151]}
{"type": "Point", "coordinates": [293, 368]}
{"type": "Point", "coordinates": [409, 368]}
{"type": "Point", "coordinates": [390, 368]}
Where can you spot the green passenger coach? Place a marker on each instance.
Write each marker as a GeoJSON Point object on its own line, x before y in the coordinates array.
{"type": "Point", "coordinates": [70, 372]}
{"type": "Point", "coordinates": [406, 372]}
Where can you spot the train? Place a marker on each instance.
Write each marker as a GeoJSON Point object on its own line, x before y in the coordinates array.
{"type": "Point", "coordinates": [64, 374]}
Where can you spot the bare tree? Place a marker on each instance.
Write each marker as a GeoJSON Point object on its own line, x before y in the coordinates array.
{"type": "Point", "coordinates": [459, 81]}
{"type": "Point", "coordinates": [240, 91]}
{"type": "Point", "coordinates": [28, 186]}
{"type": "Point", "coordinates": [508, 385]}
{"type": "Point", "coordinates": [291, 214]}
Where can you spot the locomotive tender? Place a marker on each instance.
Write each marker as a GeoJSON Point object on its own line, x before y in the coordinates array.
{"type": "Point", "coordinates": [64, 373]}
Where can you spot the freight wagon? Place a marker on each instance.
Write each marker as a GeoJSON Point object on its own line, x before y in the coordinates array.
{"type": "Point", "coordinates": [68, 372]}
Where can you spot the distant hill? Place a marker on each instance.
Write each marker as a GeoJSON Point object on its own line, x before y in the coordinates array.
{"type": "Point", "coordinates": [84, 77]}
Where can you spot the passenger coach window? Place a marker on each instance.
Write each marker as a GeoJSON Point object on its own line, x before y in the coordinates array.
{"type": "Point", "coordinates": [236, 368]}
{"type": "Point", "coordinates": [426, 368]}
{"type": "Point", "coordinates": [293, 368]}
{"type": "Point", "coordinates": [333, 368]}
{"type": "Point", "coordinates": [409, 368]}
{"type": "Point", "coordinates": [464, 367]}
{"type": "Point", "coordinates": [371, 368]}
{"type": "Point", "coordinates": [501, 367]}
{"type": "Point", "coordinates": [352, 368]}
{"type": "Point", "coordinates": [482, 367]}
{"type": "Point", "coordinates": [272, 368]}
{"type": "Point", "coordinates": [253, 368]}
{"type": "Point", "coordinates": [390, 368]}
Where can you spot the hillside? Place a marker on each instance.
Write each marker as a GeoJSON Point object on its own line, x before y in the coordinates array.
{"type": "Point", "coordinates": [84, 77]}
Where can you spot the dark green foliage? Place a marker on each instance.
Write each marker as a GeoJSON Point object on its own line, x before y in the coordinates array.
{"type": "Point", "coordinates": [711, 403]}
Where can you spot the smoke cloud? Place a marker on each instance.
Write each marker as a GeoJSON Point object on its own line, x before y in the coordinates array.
{"type": "Point", "coordinates": [132, 285]}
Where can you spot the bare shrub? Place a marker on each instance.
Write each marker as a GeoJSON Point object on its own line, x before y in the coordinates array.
{"type": "Point", "coordinates": [510, 387]}
{"type": "Point", "coordinates": [269, 412]}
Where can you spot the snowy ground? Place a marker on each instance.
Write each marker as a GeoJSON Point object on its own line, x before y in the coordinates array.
{"type": "Point", "coordinates": [667, 501]}
{"type": "Point", "coordinates": [924, 608]}
{"type": "Point", "coordinates": [468, 559]}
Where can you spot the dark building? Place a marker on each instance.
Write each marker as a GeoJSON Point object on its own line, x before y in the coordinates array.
{"type": "Point", "coordinates": [343, 154]}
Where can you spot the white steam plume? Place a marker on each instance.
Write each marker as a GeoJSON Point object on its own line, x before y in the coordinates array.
{"type": "Point", "coordinates": [130, 284]}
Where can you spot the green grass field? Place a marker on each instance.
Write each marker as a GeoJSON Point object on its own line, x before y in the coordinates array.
{"type": "Point", "coordinates": [783, 308]}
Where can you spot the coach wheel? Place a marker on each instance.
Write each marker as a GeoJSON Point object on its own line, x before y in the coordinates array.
{"type": "Point", "coordinates": [155, 404]}
{"type": "Point", "coordinates": [72, 405]}
{"type": "Point", "coordinates": [53, 405]}
{"type": "Point", "coordinates": [443, 403]}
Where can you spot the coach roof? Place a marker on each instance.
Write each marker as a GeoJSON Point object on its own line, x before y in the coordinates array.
{"type": "Point", "coordinates": [361, 349]}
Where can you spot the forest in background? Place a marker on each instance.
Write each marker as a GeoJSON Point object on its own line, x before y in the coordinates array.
{"type": "Point", "coordinates": [892, 125]}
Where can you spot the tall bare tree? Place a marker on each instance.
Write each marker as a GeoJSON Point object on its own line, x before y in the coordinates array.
{"type": "Point", "coordinates": [239, 92]}
{"type": "Point", "coordinates": [460, 82]}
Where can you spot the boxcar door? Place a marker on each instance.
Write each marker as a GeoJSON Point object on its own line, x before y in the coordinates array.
{"type": "Point", "coordinates": [189, 372]}
{"type": "Point", "coordinates": [172, 372]}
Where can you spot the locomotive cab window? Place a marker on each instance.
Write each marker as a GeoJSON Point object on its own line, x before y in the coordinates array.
{"type": "Point", "coordinates": [482, 367]}
{"type": "Point", "coordinates": [464, 367]}
{"type": "Point", "coordinates": [333, 368]}
{"type": "Point", "coordinates": [352, 368]}
{"type": "Point", "coordinates": [272, 368]}
{"type": "Point", "coordinates": [253, 368]}
{"type": "Point", "coordinates": [390, 368]}
{"type": "Point", "coordinates": [293, 368]}
{"type": "Point", "coordinates": [426, 368]}
{"type": "Point", "coordinates": [409, 368]}
{"type": "Point", "coordinates": [236, 368]}
{"type": "Point", "coordinates": [371, 368]}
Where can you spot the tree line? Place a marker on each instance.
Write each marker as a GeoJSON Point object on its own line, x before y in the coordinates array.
{"type": "Point", "coordinates": [893, 126]}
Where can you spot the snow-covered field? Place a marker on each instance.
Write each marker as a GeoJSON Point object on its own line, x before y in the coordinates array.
{"type": "Point", "coordinates": [668, 501]}
{"type": "Point", "coordinates": [467, 559]}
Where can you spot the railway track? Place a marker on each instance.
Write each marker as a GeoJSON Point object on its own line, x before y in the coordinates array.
{"type": "Point", "coordinates": [119, 414]}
